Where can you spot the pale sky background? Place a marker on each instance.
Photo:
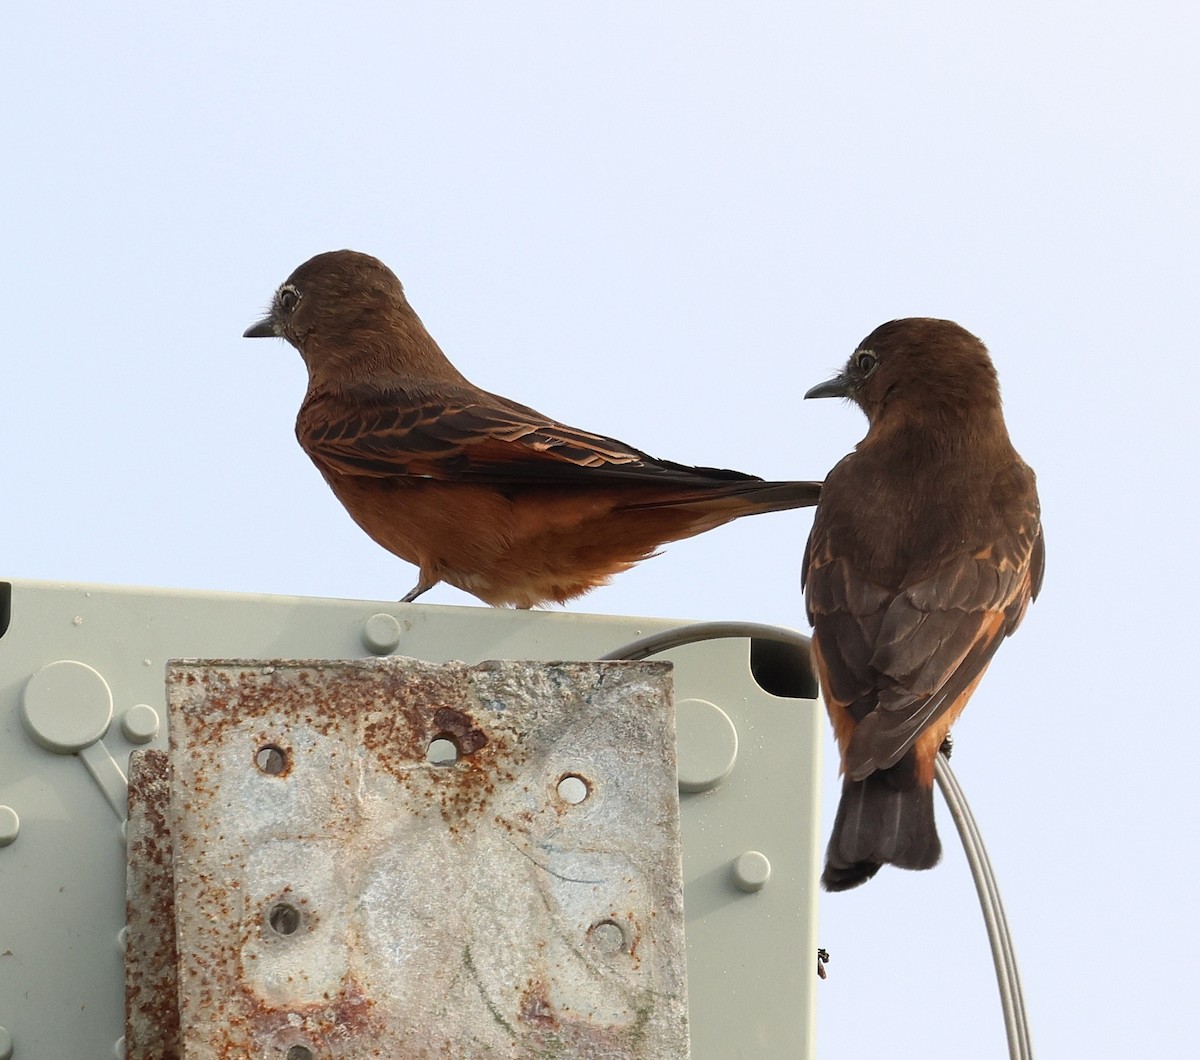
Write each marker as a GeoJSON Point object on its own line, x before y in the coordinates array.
{"type": "Point", "coordinates": [665, 222]}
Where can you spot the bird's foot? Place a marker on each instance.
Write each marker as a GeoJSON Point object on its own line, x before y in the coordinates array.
{"type": "Point", "coordinates": [822, 959]}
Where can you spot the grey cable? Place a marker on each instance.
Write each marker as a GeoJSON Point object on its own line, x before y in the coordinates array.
{"type": "Point", "coordinates": [692, 634]}
{"type": "Point", "coordinates": [1008, 978]}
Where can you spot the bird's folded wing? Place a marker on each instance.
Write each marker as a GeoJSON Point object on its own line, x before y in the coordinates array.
{"type": "Point", "coordinates": [899, 661]}
{"type": "Point", "coordinates": [473, 436]}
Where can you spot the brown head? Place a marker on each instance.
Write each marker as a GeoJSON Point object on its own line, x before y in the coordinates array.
{"type": "Point", "coordinates": [347, 315]}
{"type": "Point", "coordinates": [929, 368]}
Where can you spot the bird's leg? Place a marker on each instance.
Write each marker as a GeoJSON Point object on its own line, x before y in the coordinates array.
{"type": "Point", "coordinates": [947, 747]}
{"type": "Point", "coordinates": [421, 587]}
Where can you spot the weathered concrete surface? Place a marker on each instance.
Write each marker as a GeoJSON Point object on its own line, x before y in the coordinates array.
{"type": "Point", "coordinates": [340, 895]}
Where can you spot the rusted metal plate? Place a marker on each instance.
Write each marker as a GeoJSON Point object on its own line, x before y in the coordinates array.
{"type": "Point", "coordinates": [340, 895]}
{"type": "Point", "coordinates": [151, 973]}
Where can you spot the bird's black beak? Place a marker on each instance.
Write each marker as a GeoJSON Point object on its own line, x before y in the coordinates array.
{"type": "Point", "coordinates": [838, 386]}
{"type": "Point", "coordinates": [264, 329]}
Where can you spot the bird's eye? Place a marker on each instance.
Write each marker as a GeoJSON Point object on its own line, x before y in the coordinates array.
{"type": "Point", "coordinates": [288, 297]}
{"type": "Point", "coordinates": [865, 361]}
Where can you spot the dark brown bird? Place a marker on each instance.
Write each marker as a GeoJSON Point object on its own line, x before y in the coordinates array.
{"type": "Point", "coordinates": [924, 554]}
{"type": "Point", "coordinates": [475, 489]}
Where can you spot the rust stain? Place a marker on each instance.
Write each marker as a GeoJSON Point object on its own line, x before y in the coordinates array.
{"type": "Point", "coordinates": [633, 936]}
{"type": "Point", "coordinates": [396, 713]}
{"type": "Point", "coordinates": [346, 1023]}
{"type": "Point", "coordinates": [151, 959]}
{"type": "Point", "coordinates": [535, 1006]}
{"type": "Point", "coordinates": [374, 721]}
{"type": "Point", "coordinates": [461, 728]}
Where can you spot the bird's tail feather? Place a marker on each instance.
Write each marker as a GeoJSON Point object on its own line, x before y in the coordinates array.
{"type": "Point", "coordinates": [886, 819]}
{"type": "Point", "coordinates": [733, 500]}
{"type": "Point", "coordinates": [780, 496]}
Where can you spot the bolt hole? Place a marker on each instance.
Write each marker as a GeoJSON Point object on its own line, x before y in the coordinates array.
{"type": "Point", "coordinates": [284, 918]}
{"type": "Point", "coordinates": [573, 789]}
{"type": "Point", "coordinates": [607, 936]}
{"type": "Point", "coordinates": [271, 759]}
{"type": "Point", "coordinates": [299, 1052]}
{"type": "Point", "coordinates": [442, 751]}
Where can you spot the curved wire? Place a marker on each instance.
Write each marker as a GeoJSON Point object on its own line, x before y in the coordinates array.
{"type": "Point", "coordinates": [1008, 978]}
{"type": "Point", "coordinates": [698, 631]}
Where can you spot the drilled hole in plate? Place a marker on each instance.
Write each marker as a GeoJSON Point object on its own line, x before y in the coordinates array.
{"type": "Point", "coordinates": [573, 789]}
{"type": "Point", "coordinates": [284, 918]}
{"type": "Point", "coordinates": [607, 936]}
{"type": "Point", "coordinates": [300, 1052]}
{"type": "Point", "coordinates": [442, 751]}
{"type": "Point", "coordinates": [271, 759]}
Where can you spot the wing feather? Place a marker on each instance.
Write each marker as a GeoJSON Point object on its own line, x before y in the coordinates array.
{"type": "Point", "coordinates": [475, 436]}
{"type": "Point", "coordinates": [898, 659]}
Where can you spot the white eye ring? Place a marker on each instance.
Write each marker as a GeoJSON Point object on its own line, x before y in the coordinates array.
{"type": "Point", "coordinates": [288, 298]}
{"type": "Point", "coordinates": [865, 361]}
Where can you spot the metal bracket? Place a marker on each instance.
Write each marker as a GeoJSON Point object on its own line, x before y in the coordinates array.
{"type": "Point", "coordinates": [81, 687]}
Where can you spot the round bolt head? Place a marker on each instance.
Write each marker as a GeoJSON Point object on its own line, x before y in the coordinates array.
{"type": "Point", "coordinates": [66, 707]}
{"type": "Point", "coordinates": [707, 744]}
{"type": "Point", "coordinates": [10, 825]}
{"type": "Point", "coordinates": [140, 723]}
{"type": "Point", "coordinates": [751, 871]}
{"type": "Point", "coordinates": [381, 634]}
